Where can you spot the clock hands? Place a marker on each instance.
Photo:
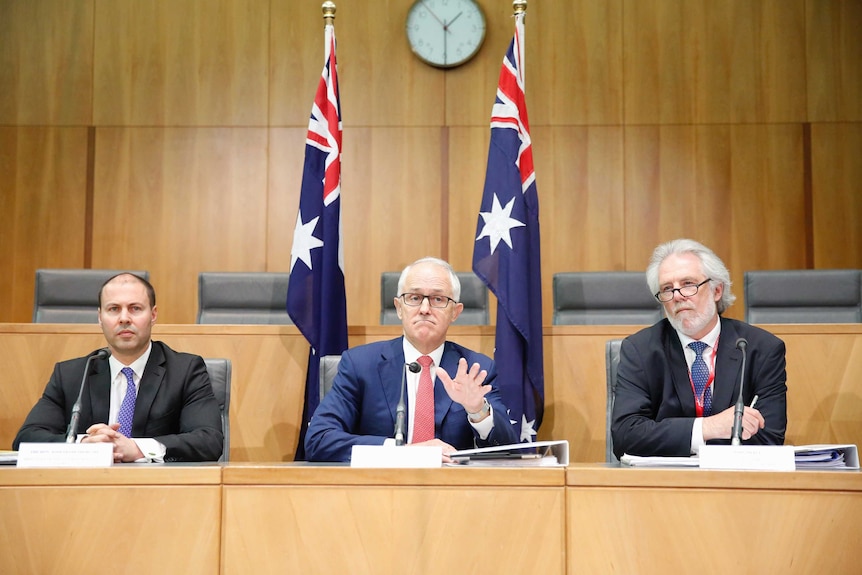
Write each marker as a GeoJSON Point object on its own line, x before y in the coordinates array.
{"type": "Point", "coordinates": [445, 25]}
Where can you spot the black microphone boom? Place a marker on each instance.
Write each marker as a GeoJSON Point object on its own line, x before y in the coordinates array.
{"type": "Point", "coordinates": [736, 434]}
{"type": "Point", "coordinates": [399, 411]}
{"type": "Point", "coordinates": [72, 432]}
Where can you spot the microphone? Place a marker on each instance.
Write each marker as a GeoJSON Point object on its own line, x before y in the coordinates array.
{"type": "Point", "coordinates": [399, 411]}
{"type": "Point", "coordinates": [72, 433]}
{"type": "Point", "coordinates": [736, 434]}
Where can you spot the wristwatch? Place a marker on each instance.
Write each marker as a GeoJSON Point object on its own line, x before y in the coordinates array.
{"type": "Point", "coordinates": [480, 415]}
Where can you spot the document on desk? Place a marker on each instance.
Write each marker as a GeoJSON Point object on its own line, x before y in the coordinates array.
{"type": "Point", "coordinates": [659, 461]}
{"type": "Point", "coordinates": [537, 454]}
{"type": "Point", "coordinates": [826, 456]}
{"type": "Point", "coordinates": [8, 457]}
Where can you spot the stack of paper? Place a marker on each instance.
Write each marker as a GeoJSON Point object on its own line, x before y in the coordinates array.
{"type": "Point", "coordinates": [826, 457]}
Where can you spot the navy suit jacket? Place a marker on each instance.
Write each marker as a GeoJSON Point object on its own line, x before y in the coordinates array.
{"type": "Point", "coordinates": [175, 404]}
{"type": "Point", "coordinates": [360, 407]}
{"type": "Point", "coordinates": [654, 409]}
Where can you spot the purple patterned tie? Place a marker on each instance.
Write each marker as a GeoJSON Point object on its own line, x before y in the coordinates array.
{"type": "Point", "coordinates": [700, 377]}
{"type": "Point", "coordinates": [127, 409]}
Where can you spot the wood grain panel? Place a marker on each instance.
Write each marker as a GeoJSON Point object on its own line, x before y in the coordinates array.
{"type": "Point", "coordinates": [837, 194]}
{"type": "Point", "coordinates": [277, 529]}
{"type": "Point", "coordinates": [42, 209]}
{"type": "Point", "coordinates": [37, 535]}
{"type": "Point", "coordinates": [181, 63]}
{"type": "Point", "coordinates": [46, 62]}
{"type": "Point", "coordinates": [178, 201]}
{"type": "Point", "coordinates": [381, 82]}
{"type": "Point", "coordinates": [705, 62]}
{"type": "Point", "coordinates": [797, 531]}
{"type": "Point", "coordinates": [834, 60]}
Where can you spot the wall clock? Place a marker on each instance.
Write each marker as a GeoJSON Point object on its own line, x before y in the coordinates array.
{"type": "Point", "coordinates": [445, 33]}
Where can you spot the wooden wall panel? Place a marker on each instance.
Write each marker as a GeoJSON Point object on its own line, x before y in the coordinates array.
{"type": "Point", "coordinates": [46, 61]}
{"type": "Point", "coordinates": [178, 63]}
{"type": "Point", "coordinates": [709, 62]}
{"type": "Point", "coordinates": [177, 201]}
{"type": "Point", "coordinates": [834, 55]}
{"type": "Point", "coordinates": [43, 195]}
{"type": "Point", "coordinates": [837, 195]}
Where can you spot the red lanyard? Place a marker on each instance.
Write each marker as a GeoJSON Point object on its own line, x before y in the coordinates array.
{"type": "Point", "coordinates": [698, 400]}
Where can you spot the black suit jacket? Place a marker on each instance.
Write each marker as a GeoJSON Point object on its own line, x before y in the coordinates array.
{"type": "Point", "coordinates": [175, 404]}
{"type": "Point", "coordinates": [654, 406]}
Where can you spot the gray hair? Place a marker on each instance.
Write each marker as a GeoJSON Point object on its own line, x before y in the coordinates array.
{"type": "Point", "coordinates": [453, 278]}
{"type": "Point", "coordinates": [710, 264]}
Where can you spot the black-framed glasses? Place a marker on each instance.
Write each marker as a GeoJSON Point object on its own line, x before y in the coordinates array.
{"type": "Point", "coordinates": [415, 300]}
{"type": "Point", "coordinates": [690, 290]}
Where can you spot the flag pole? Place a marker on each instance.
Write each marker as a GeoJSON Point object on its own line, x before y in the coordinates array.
{"type": "Point", "coordinates": [519, 6]}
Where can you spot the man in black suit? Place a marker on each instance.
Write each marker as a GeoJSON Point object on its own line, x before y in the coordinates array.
{"type": "Point", "coordinates": [659, 408]}
{"type": "Point", "coordinates": [171, 413]}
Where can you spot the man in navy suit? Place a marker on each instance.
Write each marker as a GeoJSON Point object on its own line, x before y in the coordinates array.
{"type": "Point", "coordinates": [658, 407]}
{"type": "Point", "coordinates": [360, 409]}
{"type": "Point", "coordinates": [174, 417]}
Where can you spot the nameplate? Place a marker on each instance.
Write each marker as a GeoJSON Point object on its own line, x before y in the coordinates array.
{"type": "Point", "coordinates": [65, 455]}
{"type": "Point", "coordinates": [414, 456]}
{"type": "Point", "coordinates": [748, 457]}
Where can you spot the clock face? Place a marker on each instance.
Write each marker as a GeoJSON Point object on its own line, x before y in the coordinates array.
{"type": "Point", "coordinates": [445, 33]}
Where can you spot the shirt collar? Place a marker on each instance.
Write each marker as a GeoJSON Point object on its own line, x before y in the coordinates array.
{"type": "Point", "coordinates": [411, 354]}
{"type": "Point", "coordinates": [137, 366]}
{"type": "Point", "coordinates": [709, 339]}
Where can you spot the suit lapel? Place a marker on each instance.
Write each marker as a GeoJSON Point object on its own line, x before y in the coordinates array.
{"type": "Point", "coordinates": [442, 401]}
{"type": "Point", "coordinates": [151, 382]}
{"type": "Point", "coordinates": [99, 388]}
{"type": "Point", "coordinates": [679, 371]}
{"type": "Point", "coordinates": [390, 372]}
{"type": "Point", "coordinates": [727, 365]}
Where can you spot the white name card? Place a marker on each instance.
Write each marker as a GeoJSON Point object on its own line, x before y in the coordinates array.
{"type": "Point", "coordinates": [414, 456]}
{"type": "Point", "coordinates": [748, 457]}
{"type": "Point", "coordinates": [65, 455]}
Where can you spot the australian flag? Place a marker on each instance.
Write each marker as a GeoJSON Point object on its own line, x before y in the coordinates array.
{"type": "Point", "coordinates": [316, 299]}
{"type": "Point", "coordinates": [506, 255]}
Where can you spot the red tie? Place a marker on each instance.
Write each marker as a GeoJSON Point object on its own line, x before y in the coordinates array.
{"type": "Point", "coordinates": [423, 417]}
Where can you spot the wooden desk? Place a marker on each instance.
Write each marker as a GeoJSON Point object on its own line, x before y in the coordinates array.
{"type": "Point", "coordinates": [123, 519]}
{"type": "Point", "coordinates": [624, 520]}
{"type": "Point", "coordinates": [304, 519]}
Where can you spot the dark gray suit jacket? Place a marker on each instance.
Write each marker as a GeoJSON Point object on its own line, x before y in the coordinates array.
{"type": "Point", "coordinates": [654, 406]}
{"type": "Point", "coordinates": [175, 405]}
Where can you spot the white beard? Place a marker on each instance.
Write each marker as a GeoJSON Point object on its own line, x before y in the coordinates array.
{"type": "Point", "coordinates": [694, 322]}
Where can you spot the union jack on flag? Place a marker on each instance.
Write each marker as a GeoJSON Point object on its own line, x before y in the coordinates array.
{"type": "Point", "coordinates": [506, 254]}
{"type": "Point", "coordinates": [316, 300]}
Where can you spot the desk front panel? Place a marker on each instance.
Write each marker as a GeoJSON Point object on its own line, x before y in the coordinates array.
{"type": "Point", "coordinates": [117, 520]}
{"type": "Point", "coordinates": [393, 522]}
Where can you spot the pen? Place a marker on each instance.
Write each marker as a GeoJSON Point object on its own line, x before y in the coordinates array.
{"type": "Point", "coordinates": [753, 401]}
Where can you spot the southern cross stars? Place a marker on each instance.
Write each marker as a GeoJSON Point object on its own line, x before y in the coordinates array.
{"type": "Point", "coordinates": [498, 223]}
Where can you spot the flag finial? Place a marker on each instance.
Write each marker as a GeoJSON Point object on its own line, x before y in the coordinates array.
{"type": "Point", "coordinates": [520, 6]}
{"type": "Point", "coordinates": [328, 8]}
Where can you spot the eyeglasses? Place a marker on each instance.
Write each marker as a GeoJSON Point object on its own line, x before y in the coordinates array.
{"type": "Point", "coordinates": [689, 290]}
{"type": "Point", "coordinates": [415, 300]}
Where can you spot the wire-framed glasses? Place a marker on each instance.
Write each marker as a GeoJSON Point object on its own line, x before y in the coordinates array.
{"type": "Point", "coordinates": [688, 290]}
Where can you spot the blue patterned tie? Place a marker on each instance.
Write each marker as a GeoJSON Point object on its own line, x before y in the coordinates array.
{"type": "Point", "coordinates": [700, 377]}
{"type": "Point", "coordinates": [127, 409]}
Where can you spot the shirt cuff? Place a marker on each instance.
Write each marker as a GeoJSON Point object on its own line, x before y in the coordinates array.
{"type": "Point", "coordinates": [484, 427]}
{"type": "Point", "coordinates": [697, 435]}
{"type": "Point", "coordinates": [154, 452]}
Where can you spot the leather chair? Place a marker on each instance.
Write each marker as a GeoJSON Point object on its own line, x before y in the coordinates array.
{"type": "Point", "coordinates": [71, 295]}
{"type": "Point", "coordinates": [803, 296]}
{"type": "Point", "coordinates": [219, 371]}
{"type": "Point", "coordinates": [474, 296]}
{"type": "Point", "coordinates": [612, 362]}
{"type": "Point", "coordinates": [243, 298]}
{"type": "Point", "coordinates": [602, 298]}
{"type": "Point", "coordinates": [328, 369]}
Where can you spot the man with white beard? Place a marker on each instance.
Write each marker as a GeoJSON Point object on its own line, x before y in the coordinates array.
{"type": "Point", "coordinates": [678, 380]}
